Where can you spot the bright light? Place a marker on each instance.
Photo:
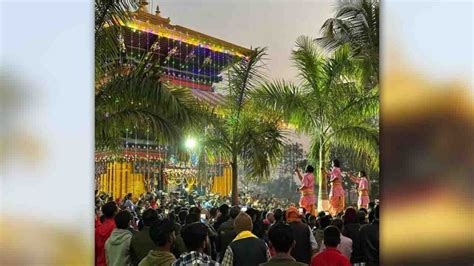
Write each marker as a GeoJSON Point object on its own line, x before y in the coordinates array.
{"type": "Point", "coordinates": [190, 143]}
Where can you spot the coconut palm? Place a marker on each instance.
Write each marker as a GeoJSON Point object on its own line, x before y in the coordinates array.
{"type": "Point", "coordinates": [129, 92]}
{"type": "Point", "coordinates": [329, 104]}
{"type": "Point", "coordinates": [241, 135]}
{"type": "Point", "coordinates": [356, 23]}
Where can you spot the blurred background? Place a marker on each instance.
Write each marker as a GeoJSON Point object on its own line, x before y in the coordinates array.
{"type": "Point", "coordinates": [47, 141]}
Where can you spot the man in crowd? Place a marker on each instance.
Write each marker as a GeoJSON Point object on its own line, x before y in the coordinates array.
{"type": "Point", "coordinates": [270, 218]}
{"type": "Point", "coordinates": [226, 232]}
{"type": "Point", "coordinates": [369, 237]}
{"type": "Point", "coordinates": [351, 230]}
{"type": "Point", "coordinates": [282, 241]}
{"type": "Point", "coordinates": [278, 215]}
{"type": "Point", "coordinates": [224, 215]}
{"type": "Point", "coordinates": [345, 245]}
{"type": "Point", "coordinates": [195, 238]}
{"type": "Point", "coordinates": [305, 242]}
{"type": "Point", "coordinates": [163, 235]}
{"type": "Point", "coordinates": [141, 241]}
{"type": "Point", "coordinates": [103, 231]}
{"type": "Point", "coordinates": [117, 246]}
{"type": "Point", "coordinates": [323, 222]}
{"type": "Point", "coordinates": [330, 256]}
{"type": "Point", "coordinates": [246, 249]}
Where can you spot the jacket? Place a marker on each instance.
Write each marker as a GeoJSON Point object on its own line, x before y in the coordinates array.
{"type": "Point", "coordinates": [117, 248]}
{"type": "Point", "coordinates": [369, 237]}
{"type": "Point", "coordinates": [246, 249]}
{"type": "Point", "coordinates": [141, 245]}
{"type": "Point", "coordinates": [158, 258]}
{"type": "Point", "coordinates": [282, 261]}
{"type": "Point", "coordinates": [302, 251]}
{"type": "Point", "coordinates": [102, 233]}
{"type": "Point", "coordinates": [351, 230]}
{"type": "Point", "coordinates": [226, 234]}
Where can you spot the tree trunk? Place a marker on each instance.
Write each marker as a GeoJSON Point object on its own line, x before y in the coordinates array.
{"type": "Point", "coordinates": [235, 174]}
{"type": "Point", "coordinates": [323, 202]}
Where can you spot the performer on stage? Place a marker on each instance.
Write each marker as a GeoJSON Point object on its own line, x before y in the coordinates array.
{"type": "Point", "coordinates": [363, 189]}
{"type": "Point", "coordinates": [336, 194]}
{"type": "Point", "coordinates": [308, 198]}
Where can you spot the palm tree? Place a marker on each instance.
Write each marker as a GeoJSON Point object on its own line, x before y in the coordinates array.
{"type": "Point", "coordinates": [329, 103]}
{"type": "Point", "coordinates": [131, 96]}
{"type": "Point", "coordinates": [356, 23]}
{"type": "Point", "coordinates": [242, 135]}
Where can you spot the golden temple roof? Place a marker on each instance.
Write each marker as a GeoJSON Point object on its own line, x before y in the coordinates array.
{"type": "Point", "coordinates": [156, 24]}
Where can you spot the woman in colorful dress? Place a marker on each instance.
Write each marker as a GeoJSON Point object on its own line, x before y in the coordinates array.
{"type": "Point", "coordinates": [308, 198]}
{"type": "Point", "coordinates": [336, 194]}
{"type": "Point", "coordinates": [363, 189]}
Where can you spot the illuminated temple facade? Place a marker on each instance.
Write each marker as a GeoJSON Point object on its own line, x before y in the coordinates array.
{"type": "Point", "coordinates": [187, 58]}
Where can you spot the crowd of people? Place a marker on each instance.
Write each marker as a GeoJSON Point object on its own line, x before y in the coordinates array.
{"type": "Point", "coordinates": [172, 229]}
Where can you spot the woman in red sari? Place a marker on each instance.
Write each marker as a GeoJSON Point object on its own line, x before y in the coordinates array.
{"type": "Point", "coordinates": [308, 198]}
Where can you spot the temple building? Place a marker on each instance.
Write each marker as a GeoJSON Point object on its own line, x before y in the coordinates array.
{"type": "Point", "coordinates": [187, 58]}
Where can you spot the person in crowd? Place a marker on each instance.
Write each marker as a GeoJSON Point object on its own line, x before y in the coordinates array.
{"type": "Point", "coordinates": [270, 217]}
{"type": "Point", "coordinates": [345, 245]}
{"type": "Point", "coordinates": [351, 230]}
{"type": "Point", "coordinates": [331, 256]}
{"type": "Point", "coordinates": [246, 248]}
{"type": "Point", "coordinates": [362, 216]}
{"type": "Point", "coordinates": [224, 215]}
{"type": "Point", "coordinates": [117, 246]}
{"type": "Point", "coordinates": [142, 243]}
{"type": "Point", "coordinates": [214, 214]}
{"type": "Point", "coordinates": [308, 198]}
{"type": "Point", "coordinates": [195, 237]}
{"type": "Point", "coordinates": [182, 216]}
{"type": "Point", "coordinates": [226, 233]}
{"type": "Point", "coordinates": [363, 189]}
{"type": "Point", "coordinates": [98, 214]}
{"type": "Point", "coordinates": [103, 231]}
{"type": "Point", "coordinates": [369, 237]}
{"type": "Point", "coordinates": [323, 222]}
{"type": "Point", "coordinates": [305, 242]}
{"type": "Point", "coordinates": [278, 214]}
{"type": "Point", "coordinates": [336, 194]}
{"type": "Point", "coordinates": [282, 242]}
{"type": "Point", "coordinates": [258, 229]}
{"type": "Point", "coordinates": [128, 203]}
{"type": "Point", "coordinates": [162, 233]}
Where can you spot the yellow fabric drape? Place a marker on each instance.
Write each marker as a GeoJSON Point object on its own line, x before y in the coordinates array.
{"type": "Point", "coordinates": [119, 180]}
{"type": "Point", "coordinates": [222, 185]}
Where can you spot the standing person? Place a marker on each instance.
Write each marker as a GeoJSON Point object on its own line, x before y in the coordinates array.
{"type": "Point", "coordinates": [351, 230]}
{"type": "Point", "coordinates": [324, 222]}
{"type": "Point", "coordinates": [363, 189]}
{"type": "Point", "coordinates": [103, 231]}
{"type": "Point", "coordinates": [369, 237]}
{"type": "Point", "coordinates": [142, 243]}
{"type": "Point", "coordinates": [128, 202]}
{"type": "Point", "coordinates": [226, 233]}
{"type": "Point", "coordinates": [162, 234]}
{"type": "Point", "coordinates": [117, 247]}
{"type": "Point", "coordinates": [336, 194]}
{"type": "Point", "coordinates": [308, 198]}
{"type": "Point", "coordinates": [282, 241]}
{"type": "Point", "coordinates": [345, 246]}
{"type": "Point", "coordinates": [246, 248]}
{"type": "Point", "coordinates": [305, 242]}
{"type": "Point", "coordinates": [195, 238]}
{"type": "Point", "coordinates": [330, 256]}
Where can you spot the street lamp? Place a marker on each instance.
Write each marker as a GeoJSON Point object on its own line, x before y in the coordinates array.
{"type": "Point", "coordinates": [190, 143]}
